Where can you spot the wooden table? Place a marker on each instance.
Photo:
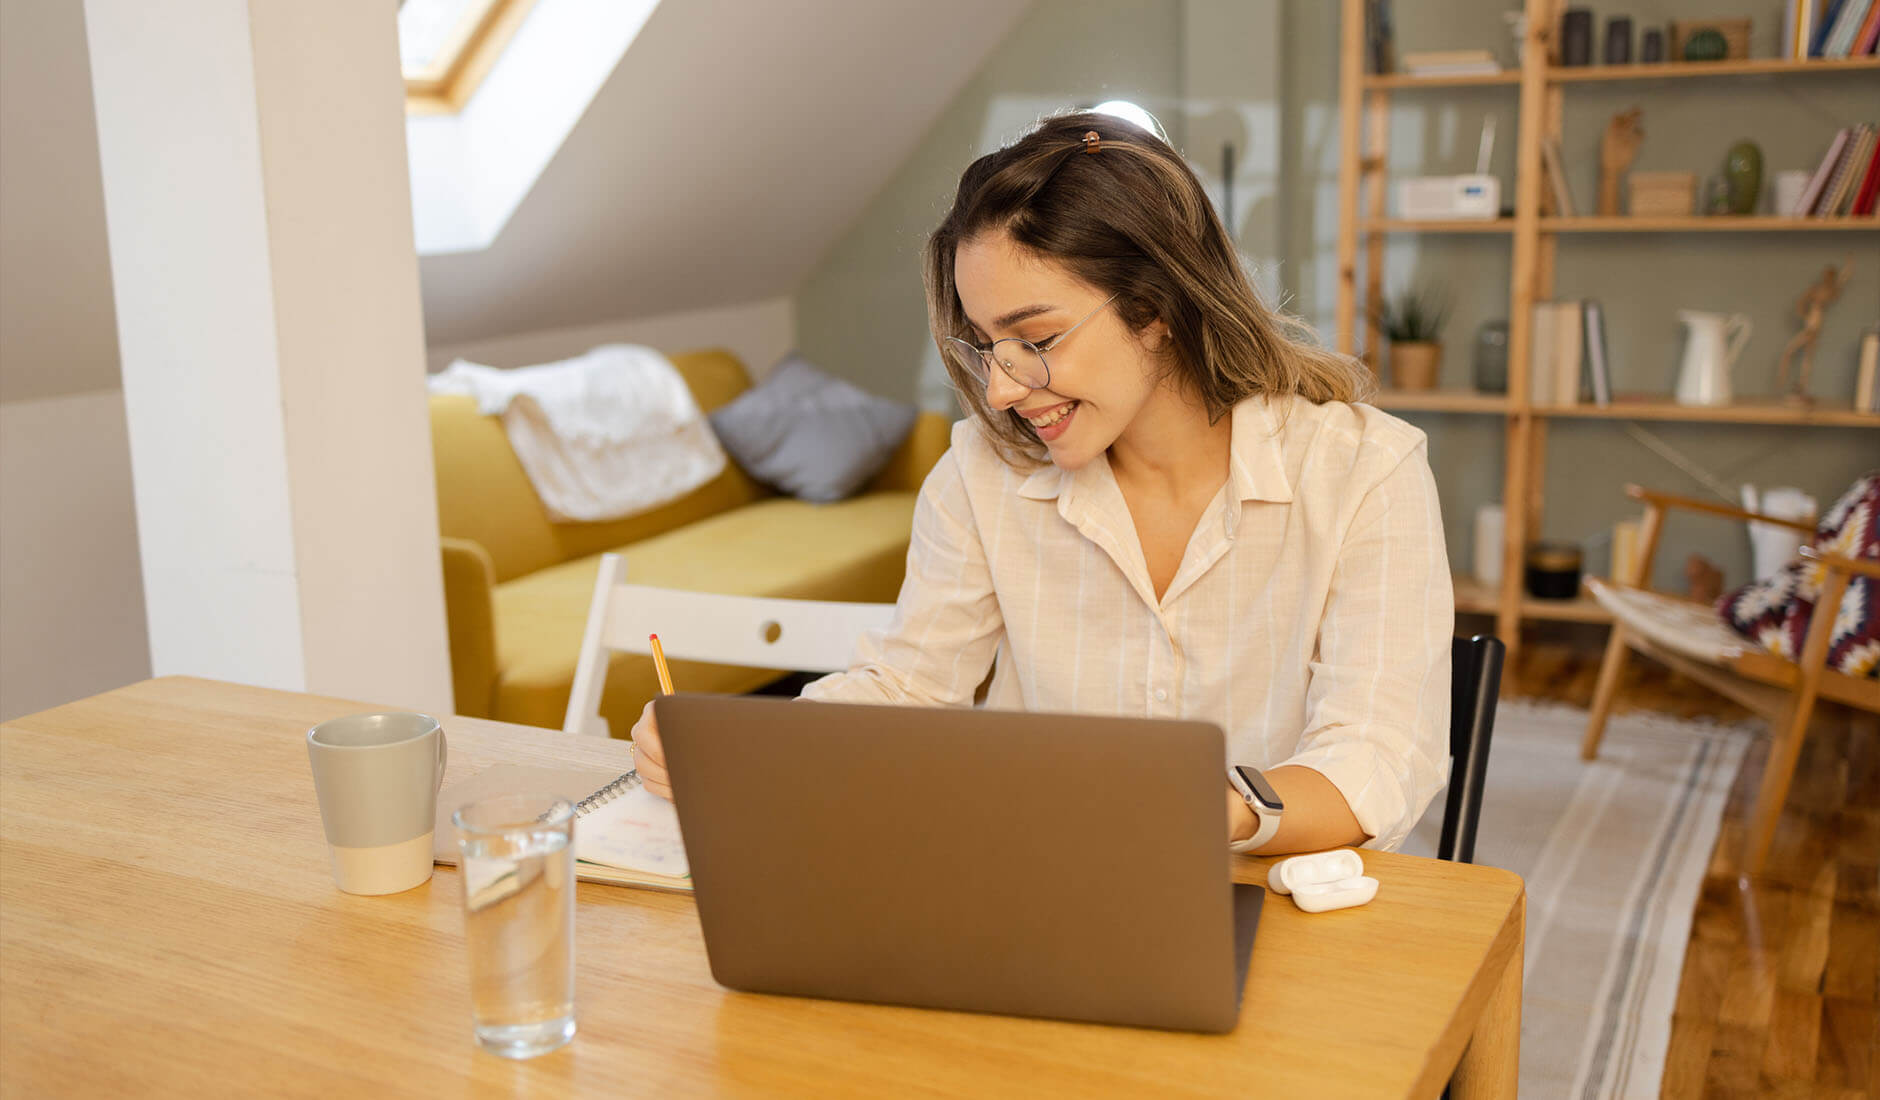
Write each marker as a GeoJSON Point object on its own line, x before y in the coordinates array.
{"type": "Point", "coordinates": [168, 925]}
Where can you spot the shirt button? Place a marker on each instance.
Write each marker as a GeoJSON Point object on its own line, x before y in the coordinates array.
{"type": "Point", "coordinates": [1161, 695]}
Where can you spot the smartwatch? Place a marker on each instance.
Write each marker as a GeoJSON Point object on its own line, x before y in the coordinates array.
{"type": "Point", "coordinates": [1262, 799]}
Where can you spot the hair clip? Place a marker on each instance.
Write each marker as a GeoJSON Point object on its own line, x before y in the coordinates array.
{"type": "Point", "coordinates": [1092, 143]}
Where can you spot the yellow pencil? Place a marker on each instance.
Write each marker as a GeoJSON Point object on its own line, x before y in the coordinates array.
{"type": "Point", "coordinates": [659, 662]}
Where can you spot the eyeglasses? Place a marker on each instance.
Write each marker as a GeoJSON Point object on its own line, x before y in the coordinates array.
{"type": "Point", "coordinates": [1021, 360]}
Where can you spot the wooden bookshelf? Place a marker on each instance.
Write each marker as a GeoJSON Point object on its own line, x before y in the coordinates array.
{"type": "Point", "coordinates": [1676, 70]}
{"type": "Point", "coordinates": [1437, 225]}
{"type": "Point", "coordinates": [1364, 227]}
{"type": "Point", "coordinates": [1454, 401]}
{"type": "Point", "coordinates": [1720, 223]}
{"type": "Point", "coordinates": [1742, 412]}
{"type": "Point", "coordinates": [1475, 598]}
{"type": "Point", "coordinates": [1407, 82]}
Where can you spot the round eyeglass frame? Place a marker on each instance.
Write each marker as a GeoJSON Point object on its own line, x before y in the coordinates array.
{"type": "Point", "coordinates": [987, 357]}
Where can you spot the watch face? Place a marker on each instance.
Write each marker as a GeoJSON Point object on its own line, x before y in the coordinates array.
{"type": "Point", "coordinates": [1263, 791]}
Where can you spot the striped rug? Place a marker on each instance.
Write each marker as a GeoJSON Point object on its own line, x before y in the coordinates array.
{"type": "Point", "coordinates": [1613, 853]}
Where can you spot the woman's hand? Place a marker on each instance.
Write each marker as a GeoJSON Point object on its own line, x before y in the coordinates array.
{"type": "Point", "coordinates": [649, 757]}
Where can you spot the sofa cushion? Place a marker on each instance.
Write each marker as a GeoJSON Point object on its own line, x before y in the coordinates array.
{"type": "Point", "coordinates": [852, 550]}
{"type": "Point", "coordinates": [809, 434]}
{"type": "Point", "coordinates": [484, 495]}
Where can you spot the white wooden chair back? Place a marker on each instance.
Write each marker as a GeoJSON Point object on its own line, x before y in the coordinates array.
{"type": "Point", "coordinates": [749, 631]}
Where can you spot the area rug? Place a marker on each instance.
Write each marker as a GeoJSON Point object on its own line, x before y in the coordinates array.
{"type": "Point", "coordinates": [1613, 853]}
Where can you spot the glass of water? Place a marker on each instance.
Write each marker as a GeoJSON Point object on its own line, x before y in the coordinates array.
{"type": "Point", "coordinates": [518, 910]}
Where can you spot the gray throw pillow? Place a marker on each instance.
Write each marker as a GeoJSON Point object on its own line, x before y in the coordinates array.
{"type": "Point", "coordinates": [811, 435]}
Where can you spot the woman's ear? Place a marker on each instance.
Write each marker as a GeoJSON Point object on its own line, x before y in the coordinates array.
{"type": "Point", "coordinates": [1156, 336]}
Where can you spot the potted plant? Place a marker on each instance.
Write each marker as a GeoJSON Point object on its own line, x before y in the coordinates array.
{"type": "Point", "coordinates": [1413, 322]}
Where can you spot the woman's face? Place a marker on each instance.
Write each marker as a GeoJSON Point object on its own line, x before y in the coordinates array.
{"type": "Point", "coordinates": [1101, 375]}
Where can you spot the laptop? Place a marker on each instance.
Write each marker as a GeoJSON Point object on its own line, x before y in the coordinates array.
{"type": "Point", "coordinates": [1050, 865]}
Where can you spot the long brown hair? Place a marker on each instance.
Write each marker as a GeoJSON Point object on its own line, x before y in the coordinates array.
{"type": "Point", "coordinates": [1130, 220]}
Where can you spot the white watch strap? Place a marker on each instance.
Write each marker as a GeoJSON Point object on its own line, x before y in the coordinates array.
{"type": "Point", "coordinates": [1269, 824]}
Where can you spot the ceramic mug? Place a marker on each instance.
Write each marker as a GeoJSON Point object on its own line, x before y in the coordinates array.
{"type": "Point", "coordinates": [377, 777]}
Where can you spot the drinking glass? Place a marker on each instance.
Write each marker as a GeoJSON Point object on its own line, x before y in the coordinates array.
{"type": "Point", "coordinates": [518, 909]}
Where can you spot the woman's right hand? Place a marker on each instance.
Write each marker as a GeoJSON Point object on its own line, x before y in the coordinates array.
{"type": "Point", "coordinates": [649, 757]}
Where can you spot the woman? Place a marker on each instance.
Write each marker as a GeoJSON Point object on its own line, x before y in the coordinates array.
{"type": "Point", "coordinates": [1164, 502]}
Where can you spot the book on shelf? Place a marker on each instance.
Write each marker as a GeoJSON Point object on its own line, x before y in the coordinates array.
{"type": "Point", "coordinates": [1847, 28]}
{"type": "Point", "coordinates": [1849, 172]}
{"type": "Point", "coordinates": [1867, 377]}
{"type": "Point", "coordinates": [1824, 24]}
{"type": "Point", "coordinates": [1868, 40]}
{"type": "Point", "coordinates": [1869, 194]}
{"type": "Point", "coordinates": [1852, 176]}
{"type": "Point", "coordinates": [1378, 42]}
{"type": "Point", "coordinates": [1811, 195]}
{"type": "Point", "coordinates": [1555, 353]}
{"type": "Point", "coordinates": [1556, 176]}
{"type": "Point", "coordinates": [1598, 369]}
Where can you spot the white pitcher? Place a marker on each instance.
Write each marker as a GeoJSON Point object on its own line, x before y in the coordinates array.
{"type": "Point", "coordinates": [1712, 341]}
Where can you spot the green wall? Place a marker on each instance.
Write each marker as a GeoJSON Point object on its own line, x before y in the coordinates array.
{"type": "Point", "coordinates": [861, 311]}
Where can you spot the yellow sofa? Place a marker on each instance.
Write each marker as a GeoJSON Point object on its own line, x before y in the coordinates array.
{"type": "Point", "coordinates": [517, 585]}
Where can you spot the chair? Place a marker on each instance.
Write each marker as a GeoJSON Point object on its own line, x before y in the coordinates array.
{"type": "Point", "coordinates": [1474, 685]}
{"type": "Point", "coordinates": [1691, 638]}
{"type": "Point", "coordinates": [750, 631]}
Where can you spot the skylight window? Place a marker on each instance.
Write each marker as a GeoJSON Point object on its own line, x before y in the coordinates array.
{"type": "Point", "coordinates": [446, 47]}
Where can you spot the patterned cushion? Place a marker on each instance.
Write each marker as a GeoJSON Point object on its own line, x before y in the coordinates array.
{"type": "Point", "coordinates": [1776, 612]}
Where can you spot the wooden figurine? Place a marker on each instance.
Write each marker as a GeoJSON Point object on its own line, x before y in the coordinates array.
{"type": "Point", "coordinates": [1616, 151]}
{"type": "Point", "coordinates": [1812, 304]}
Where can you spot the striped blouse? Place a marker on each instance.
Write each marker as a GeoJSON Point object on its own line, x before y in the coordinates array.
{"type": "Point", "coordinates": [1310, 617]}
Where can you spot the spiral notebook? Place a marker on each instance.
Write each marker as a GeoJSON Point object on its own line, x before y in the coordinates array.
{"type": "Point", "coordinates": [623, 835]}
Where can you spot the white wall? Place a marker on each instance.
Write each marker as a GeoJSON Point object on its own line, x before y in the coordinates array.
{"type": "Point", "coordinates": [272, 344]}
{"type": "Point", "coordinates": [759, 334]}
{"type": "Point", "coordinates": [71, 597]}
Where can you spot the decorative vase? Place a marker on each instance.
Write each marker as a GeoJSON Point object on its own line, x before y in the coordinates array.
{"type": "Point", "coordinates": [1576, 37]}
{"type": "Point", "coordinates": [1414, 364]}
{"type": "Point", "coordinates": [1706, 45]}
{"type": "Point", "coordinates": [1744, 169]}
{"type": "Point", "coordinates": [1618, 40]}
{"type": "Point", "coordinates": [1491, 357]}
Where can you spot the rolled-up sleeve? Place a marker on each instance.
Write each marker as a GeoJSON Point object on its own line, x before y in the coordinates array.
{"type": "Point", "coordinates": [947, 623]}
{"type": "Point", "coordinates": [1377, 706]}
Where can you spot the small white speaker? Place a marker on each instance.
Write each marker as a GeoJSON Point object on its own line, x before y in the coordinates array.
{"type": "Point", "coordinates": [1449, 197]}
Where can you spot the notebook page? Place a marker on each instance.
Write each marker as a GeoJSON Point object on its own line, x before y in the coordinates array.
{"type": "Point", "coordinates": [638, 831]}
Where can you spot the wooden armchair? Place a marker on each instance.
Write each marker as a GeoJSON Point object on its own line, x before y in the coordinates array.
{"type": "Point", "coordinates": [1694, 640]}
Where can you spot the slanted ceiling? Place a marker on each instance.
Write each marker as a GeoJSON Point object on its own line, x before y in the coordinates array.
{"type": "Point", "coordinates": [733, 144]}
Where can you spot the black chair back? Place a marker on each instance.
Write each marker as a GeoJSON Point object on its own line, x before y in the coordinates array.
{"type": "Point", "coordinates": [1474, 684]}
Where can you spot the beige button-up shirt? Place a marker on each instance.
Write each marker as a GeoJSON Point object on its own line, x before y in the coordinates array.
{"type": "Point", "coordinates": [1310, 617]}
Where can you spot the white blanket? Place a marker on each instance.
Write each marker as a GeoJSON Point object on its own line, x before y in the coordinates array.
{"type": "Point", "coordinates": [603, 435]}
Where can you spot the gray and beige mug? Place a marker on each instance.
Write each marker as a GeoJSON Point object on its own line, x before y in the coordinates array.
{"type": "Point", "coordinates": [377, 777]}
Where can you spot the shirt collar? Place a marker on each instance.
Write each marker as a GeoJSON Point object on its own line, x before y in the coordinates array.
{"type": "Point", "coordinates": [1256, 463]}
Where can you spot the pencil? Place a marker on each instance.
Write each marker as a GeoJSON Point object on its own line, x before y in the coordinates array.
{"type": "Point", "coordinates": [659, 663]}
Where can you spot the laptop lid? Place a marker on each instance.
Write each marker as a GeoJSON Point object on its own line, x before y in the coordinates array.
{"type": "Point", "coordinates": [1038, 865]}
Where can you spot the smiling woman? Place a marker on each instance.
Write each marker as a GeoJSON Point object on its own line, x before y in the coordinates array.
{"type": "Point", "coordinates": [1166, 502]}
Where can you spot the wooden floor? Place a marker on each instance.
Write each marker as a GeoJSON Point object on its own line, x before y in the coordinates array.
{"type": "Point", "coordinates": [1781, 989]}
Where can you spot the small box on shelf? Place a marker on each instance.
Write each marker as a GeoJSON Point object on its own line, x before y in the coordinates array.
{"type": "Point", "coordinates": [1662, 194]}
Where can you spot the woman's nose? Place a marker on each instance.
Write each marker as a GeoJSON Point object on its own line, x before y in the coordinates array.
{"type": "Point", "coordinates": [1002, 392]}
